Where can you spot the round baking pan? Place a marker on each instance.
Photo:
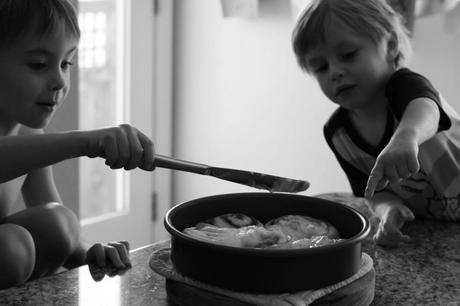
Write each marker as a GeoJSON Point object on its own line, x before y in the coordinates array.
{"type": "Point", "coordinates": [266, 270]}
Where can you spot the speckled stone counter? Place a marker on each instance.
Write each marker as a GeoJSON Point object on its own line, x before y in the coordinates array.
{"type": "Point", "coordinates": [425, 271]}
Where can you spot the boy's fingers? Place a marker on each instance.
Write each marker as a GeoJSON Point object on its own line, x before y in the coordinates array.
{"type": "Point", "coordinates": [122, 144]}
{"type": "Point", "coordinates": [125, 243]}
{"type": "Point", "coordinates": [413, 165]}
{"type": "Point", "coordinates": [110, 151]}
{"type": "Point", "coordinates": [135, 148]}
{"type": "Point", "coordinates": [114, 257]}
{"type": "Point", "coordinates": [96, 273]}
{"type": "Point", "coordinates": [382, 184]}
{"type": "Point", "coordinates": [374, 178]}
{"type": "Point", "coordinates": [122, 252]}
{"type": "Point", "coordinates": [392, 175]}
{"type": "Point", "coordinates": [149, 153]}
{"type": "Point", "coordinates": [96, 255]}
{"type": "Point", "coordinates": [403, 171]}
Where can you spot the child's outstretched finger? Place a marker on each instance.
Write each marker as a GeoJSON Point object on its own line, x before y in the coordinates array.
{"type": "Point", "coordinates": [374, 179]}
{"type": "Point", "coordinates": [382, 184]}
{"type": "Point", "coordinates": [391, 174]}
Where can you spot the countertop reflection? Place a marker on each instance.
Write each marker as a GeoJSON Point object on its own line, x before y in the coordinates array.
{"type": "Point", "coordinates": [138, 286]}
{"type": "Point", "coordinates": [425, 271]}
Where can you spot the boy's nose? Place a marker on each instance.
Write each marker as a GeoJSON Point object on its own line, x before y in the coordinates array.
{"type": "Point", "coordinates": [336, 72]}
{"type": "Point", "coordinates": [57, 81]}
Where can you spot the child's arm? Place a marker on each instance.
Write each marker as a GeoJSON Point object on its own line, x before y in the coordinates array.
{"type": "Point", "coordinates": [121, 147]}
{"type": "Point", "coordinates": [392, 214]}
{"type": "Point", "coordinates": [39, 188]}
{"type": "Point", "coordinates": [399, 159]}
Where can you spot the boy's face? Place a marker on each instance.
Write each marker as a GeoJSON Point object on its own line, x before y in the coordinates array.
{"type": "Point", "coordinates": [351, 69]}
{"type": "Point", "coordinates": [34, 78]}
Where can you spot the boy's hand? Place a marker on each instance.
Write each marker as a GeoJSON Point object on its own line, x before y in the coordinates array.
{"type": "Point", "coordinates": [108, 259]}
{"type": "Point", "coordinates": [389, 232]}
{"type": "Point", "coordinates": [121, 147]}
{"type": "Point", "coordinates": [397, 161]}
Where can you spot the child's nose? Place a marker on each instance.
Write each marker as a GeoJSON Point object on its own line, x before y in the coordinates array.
{"type": "Point", "coordinates": [336, 72]}
{"type": "Point", "coordinates": [57, 81]}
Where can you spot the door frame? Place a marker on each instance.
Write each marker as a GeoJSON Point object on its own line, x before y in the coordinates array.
{"type": "Point", "coordinates": [141, 54]}
{"type": "Point", "coordinates": [164, 111]}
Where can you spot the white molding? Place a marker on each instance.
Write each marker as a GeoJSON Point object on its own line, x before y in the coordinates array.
{"type": "Point", "coordinates": [163, 109]}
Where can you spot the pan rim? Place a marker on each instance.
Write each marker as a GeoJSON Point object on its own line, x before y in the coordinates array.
{"type": "Point", "coordinates": [177, 234]}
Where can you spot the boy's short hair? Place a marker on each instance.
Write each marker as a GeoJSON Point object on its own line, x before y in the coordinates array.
{"type": "Point", "coordinates": [375, 19]}
{"type": "Point", "coordinates": [19, 16]}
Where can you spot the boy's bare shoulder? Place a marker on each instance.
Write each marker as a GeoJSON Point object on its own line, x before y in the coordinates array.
{"type": "Point", "coordinates": [24, 130]}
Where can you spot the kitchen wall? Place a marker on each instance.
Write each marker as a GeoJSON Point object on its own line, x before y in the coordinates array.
{"type": "Point", "coordinates": [240, 101]}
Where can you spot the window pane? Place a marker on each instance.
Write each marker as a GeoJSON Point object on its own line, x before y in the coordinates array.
{"type": "Point", "coordinates": [102, 190]}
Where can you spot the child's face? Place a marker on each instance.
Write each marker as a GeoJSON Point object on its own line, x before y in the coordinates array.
{"type": "Point", "coordinates": [34, 78]}
{"type": "Point", "coordinates": [351, 69]}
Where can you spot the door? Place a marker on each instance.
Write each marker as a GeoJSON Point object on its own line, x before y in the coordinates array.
{"type": "Point", "coordinates": [112, 85]}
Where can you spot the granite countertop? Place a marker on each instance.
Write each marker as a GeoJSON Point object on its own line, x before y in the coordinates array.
{"type": "Point", "coordinates": [424, 271]}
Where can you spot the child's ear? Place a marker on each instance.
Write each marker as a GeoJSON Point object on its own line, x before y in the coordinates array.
{"type": "Point", "coordinates": [392, 47]}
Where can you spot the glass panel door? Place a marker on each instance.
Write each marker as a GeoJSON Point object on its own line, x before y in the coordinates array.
{"type": "Point", "coordinates": [115, 87]}
{"type": "Point", "coordinates": [102, 86]}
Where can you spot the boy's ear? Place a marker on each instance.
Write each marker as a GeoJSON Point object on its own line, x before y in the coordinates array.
{"type": "Point", "coordinates": [392, 47]}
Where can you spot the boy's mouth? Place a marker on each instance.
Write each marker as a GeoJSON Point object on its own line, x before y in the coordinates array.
{"type": "Point", "coordinates": [342, 89]}
{"type": "Point", "coordinates": [48, 105]}
{"type": "Point", "coordinates": [45, 103]}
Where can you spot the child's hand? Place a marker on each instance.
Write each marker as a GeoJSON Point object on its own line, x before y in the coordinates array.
{"type": "Point", "coordinates": [389, 232]}
{"type": "Point", "coordinates": [121, 147]}
{"type": "Point", "coordinates": [397, 161]}
{"type": "Point", "coordinates": [108, 259]}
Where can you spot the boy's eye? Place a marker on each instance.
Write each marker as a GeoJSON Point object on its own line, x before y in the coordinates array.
{"type": "Point", "coordinates": [37, 65]}
{"type": "Point", "coordinates": [319, 69]}
{"type": "Point", "coordinates": [66, 65]}
{"type": "Point", "coordinates": [349, 55]}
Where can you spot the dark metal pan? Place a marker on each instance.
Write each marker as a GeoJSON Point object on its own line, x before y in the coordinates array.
{"type": "Point", "coordinates": [266, 270]}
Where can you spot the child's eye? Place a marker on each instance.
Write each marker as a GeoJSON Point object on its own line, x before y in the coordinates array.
{"type": "Point", "coordinates": [66, 65]}
{"type": "Point", "coordinates": [349, 55]}
{"type": "Point", "coordinates": [320, 69]}
{"type": "Point", "coordinates": [37, 65]}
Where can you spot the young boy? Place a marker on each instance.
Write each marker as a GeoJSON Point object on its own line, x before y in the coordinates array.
{"type": "Point", "coordinates": [38, 42]}
{"type": "Point", "coordinates": [394, 136]}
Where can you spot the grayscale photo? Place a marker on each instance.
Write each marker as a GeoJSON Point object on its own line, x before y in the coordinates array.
{"type": "Point", "coordinates": [229, 152]}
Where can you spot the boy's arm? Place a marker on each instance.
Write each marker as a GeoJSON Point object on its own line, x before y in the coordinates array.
{"type": "Point", "coordinates": [122, 147]}
{"type": "Point", "coordinates": [399, 159]}
{"type": "Point", "coordinates": [39, 188]}
{"type": "Point", "coordinates": [420, 120]}
{"type": "Point", "coordinates": [22, 154]}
